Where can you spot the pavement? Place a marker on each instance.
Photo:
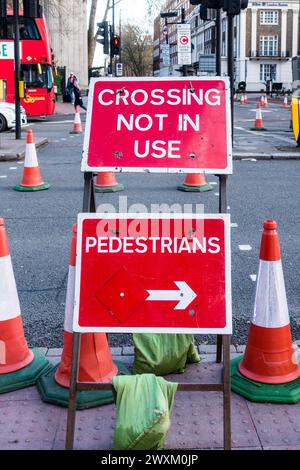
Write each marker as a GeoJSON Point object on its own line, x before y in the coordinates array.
{"type": "Point", "coordinates": [12, 149]}
{"type": "Point", "coordinates": [196, 421]}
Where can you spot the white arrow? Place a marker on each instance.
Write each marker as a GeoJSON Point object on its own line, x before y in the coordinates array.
{"type": "Point", "coordinates": [185, 295]}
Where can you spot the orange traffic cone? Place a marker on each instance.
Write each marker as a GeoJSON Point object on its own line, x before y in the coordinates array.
{"type": "Point", "coordinates": [285, 101]}
{"type": "Point", "coordinates": [266, 101]}
{"type": "Point", "coordinates": [262, 100]}
{"type": "Point", "coordinates": [195, 182]}
{"type": "Point", "coordinates": [106, 183]}
{"type": "Point", "coordinates": [77, 129]}
{"type": "Point", "coordinates": [18, 365]}
{"type": "Point", "coordinates": [95, 363]}
{"type": "Point", "coordinates": [269, 356]}
{"type": "Point", "coordinates": [246, 98]}
{"type": "Point", "coordinates": [242, 101]}
{"type": "Point", "coordinates": [258, 125]}
{"type": "Point", "coordinates": [32, 180]}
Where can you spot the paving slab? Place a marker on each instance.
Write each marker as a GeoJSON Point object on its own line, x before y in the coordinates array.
{"type": "Point", "coordinates": [12, 149]}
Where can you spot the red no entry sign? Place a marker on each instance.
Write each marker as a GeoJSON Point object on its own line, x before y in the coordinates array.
{"type": "Point", "coordinates": [153, 273]}
{"type": "Point", "coordinates": [158, 125]}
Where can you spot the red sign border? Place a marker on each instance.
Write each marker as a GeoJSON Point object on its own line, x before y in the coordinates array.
{"type": "Point", "coordinates": [220, 171]}
{"type": "Point", "coordinates": [227, 330]}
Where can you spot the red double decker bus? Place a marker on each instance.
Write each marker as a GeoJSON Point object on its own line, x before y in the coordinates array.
{"type": "Point", "coordinates": [36, 64]}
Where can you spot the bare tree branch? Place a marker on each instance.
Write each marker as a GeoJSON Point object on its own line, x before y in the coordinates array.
{"type": "Point", "coordinates": [136, 51]}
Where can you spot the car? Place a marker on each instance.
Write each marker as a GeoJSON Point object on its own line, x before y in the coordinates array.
{"type": "Point", "coordinates": [8, 116]}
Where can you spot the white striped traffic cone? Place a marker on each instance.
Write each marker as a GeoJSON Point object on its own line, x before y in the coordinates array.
{"type": "Point", "coordinates": [242, 99]}
{"type": "Point", "coordinates": [246, 98]}
{"type": "Point", "coordinates": [266, 101]}
{"type": "Point", "coordinates": [18, 365]}
{"type": "Point", "coordinates": [77, 129]}
{"type": "Point", "coordinates": [32, 180]}
{"type": "Point", "coordinates": [269, 356]}
{"type": "Point", "coordinates": [95, 364]}
{"type": "Point", "coordinates": [258, 125]}
{"type": "Point", "coordinates": [285, 101]}
{"type": "Point", "coordinates": [262, 100]}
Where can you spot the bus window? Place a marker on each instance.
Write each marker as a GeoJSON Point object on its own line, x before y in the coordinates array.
{"type": "Point", "coordinates": [27, 28]}
{"type": "Point", "coordinates": [37, 75]}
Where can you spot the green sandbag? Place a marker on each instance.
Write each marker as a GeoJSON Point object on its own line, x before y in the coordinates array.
{"type": "Point", "coordinates": [162, 354]}
{"type": "Point", "coordinates": [144, 406]}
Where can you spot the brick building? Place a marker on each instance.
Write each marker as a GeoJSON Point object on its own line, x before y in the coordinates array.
{"type": "Point", "coordinates": [266, 37]}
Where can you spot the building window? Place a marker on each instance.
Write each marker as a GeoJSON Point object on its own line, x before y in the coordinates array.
{"type": "Point", "coordinates": [268, 45]}
{"type": "Point", "coordinates": [268, 17]}
{"type": "Point", "coordinates": [268, 72]}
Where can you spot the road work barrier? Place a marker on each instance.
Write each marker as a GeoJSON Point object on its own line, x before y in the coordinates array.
{"type": "Point", "coordinates": [77, 128]}
{"type": "Point", "coordinates": [19, 366]}
{"type": "Point", "coordinates": [95, 365]}
{"type": "Point", "coordinates": [258, 124]}
{"type": "Point", "coordinates": [268, 371]}
{"type": "Point", "coordinates": [106, 182]}
{"type": "Point", "coordinates": [295, 114]}
{"type": "Point", "coordinates": [32, 179]}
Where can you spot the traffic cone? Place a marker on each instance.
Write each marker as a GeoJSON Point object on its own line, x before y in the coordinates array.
{"type": "Point", "coordinates": [242, 99]}
{"type": "Point", "coordinates": [95, 364]}
{"type": "Point", "coordinates": [195, 182]}
{"type": "Point", "coordinates": [77, 129]}
{"type": "Point", "coordinates": [246, 98]}
{"type": "Point", "coordinates": [258, 125]}
{"type": "Point", "coordinates": [285, 101]}
{"type": "Point", "coordinates": [32, 180]}
{"type": "Point", "coordinates": [262, 100]}
{"type": "Point", "coordinates": [19, 366]}
{"type": "Point", "coordinates": [266, 101]}
{"type": "Point", "coordinates": [106, 183]}
{"type": "Point", "coordinates": [269, 356]}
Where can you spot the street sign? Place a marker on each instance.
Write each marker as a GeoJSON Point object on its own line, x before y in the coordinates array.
{"type": "Point", "coordinates": [167, 273]}
{"type": "Point", "coordinates": [165, 52]}
{"type": "Point", "coordinates": [158, 125]}
{"type": "Point", "coordinates": [184, 47]}
{"type": "Point", "coordinates": [119, 69]}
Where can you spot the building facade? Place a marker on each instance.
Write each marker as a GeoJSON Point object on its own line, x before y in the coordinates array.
{"type": "Point", "coordinates": [266, 37]}
{"type": "Point", "coordinates": [67, 24]}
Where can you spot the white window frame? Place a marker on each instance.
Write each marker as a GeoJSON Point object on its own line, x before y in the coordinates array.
{"type": "Point", "coordinates": [264, 75]}
{"type": "Point", "coordinates": [268, 46]}
{"type": "Point", "coordinates": [269, 17]}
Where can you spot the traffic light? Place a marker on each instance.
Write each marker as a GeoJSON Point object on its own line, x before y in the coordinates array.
{"type": "Point", "coordinates": [31, 8]}
{"type": "Point", "coordinates": [203, 12]}
{"type": "Point", "coordinates": [103, 36]}
{"type": "Point", "coordinates": [115, 45]}
{"type": "Point", "coordinates": [234, 7]}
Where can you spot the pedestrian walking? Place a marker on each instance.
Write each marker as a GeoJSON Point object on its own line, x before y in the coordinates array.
{"type": "Point", "coordinates": [77, 96]}
{"type": "Point", "coordinates": [70, 86]}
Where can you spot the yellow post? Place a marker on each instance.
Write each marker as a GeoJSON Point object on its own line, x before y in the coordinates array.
{"type": "Point", "coordinates": [296, 118]}
{"type": "Point", "coordinates": [22, 89]}
{"type": "Point", "coordinates": [2, 90]}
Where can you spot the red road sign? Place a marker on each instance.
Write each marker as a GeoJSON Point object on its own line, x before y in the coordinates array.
{"type": "Point", "coordinates": [153, 273]}
{"type": "Point", "coordinates": [158, 125]}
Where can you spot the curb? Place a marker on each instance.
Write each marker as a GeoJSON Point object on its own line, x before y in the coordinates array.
{"type": "Point", "coordinates": [8, 157]}
{"type": "Point", "coordinates": [267, 156]}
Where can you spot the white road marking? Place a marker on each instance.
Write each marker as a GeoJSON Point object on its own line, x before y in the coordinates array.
{"type": "Point", "coordinates": [228, 207]}
{"type": "Point", "coordinates": [213, 183]}
{"type": "Point", "coordinates": [245, 247]}
{"type": "Point", "coordinates": [20, 163]}
{"type": "Point", "coordinates": [217, 194]}
{"type": "Point", "coordinates": [248, 160]}
{"type": "Point", "coordinates": [253, 277]}
{"type": "Point", "coordinates": [263, 134]}
{"type": "Point", "coordinates": [3, 176]}
{"type": "Point", "coordinates": [13, 167]}
{"type": "Point", "coordinates": [233, 225]}
{"type": "Point", "coordinates": [63, 138]}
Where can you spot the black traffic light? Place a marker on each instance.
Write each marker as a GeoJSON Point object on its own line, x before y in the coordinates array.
{"type": "Point", "coordinates": [234, 7]}
{"type": "Point", "coordinates": [31, 8]}
{"type": "Point", "coordinates": [115, 45]}
{"type": "Point", "coordinates": [3, 8]}
{"type": "Point", "coordinates": [203, 12]}
{"type": "Point", "coordinates": [195, 2]}
{"type": "Point", "coordinates": [103, 36]}
{"type": "Point", "coordinates": [216, 4]}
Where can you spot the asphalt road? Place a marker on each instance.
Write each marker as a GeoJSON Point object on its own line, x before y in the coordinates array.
{"type": "Point", "coordinates": [39, 225]}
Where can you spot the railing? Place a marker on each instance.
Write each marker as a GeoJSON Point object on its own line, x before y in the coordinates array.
{"type": "Point", "coordinates": [276, 54]}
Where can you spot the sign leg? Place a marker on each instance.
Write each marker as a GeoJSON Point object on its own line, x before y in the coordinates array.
{"type": "Point", "coordinates": [89, 204]}
{"type": "Point", "coordinates": [73, 393]}
{"type": "Point", "coordinates": [226, 393]}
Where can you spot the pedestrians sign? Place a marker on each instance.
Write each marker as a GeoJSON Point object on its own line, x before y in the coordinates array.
{"type": "Point", "coordinates": [167, 273]}
{"type": "Point", "coordinates": [184, 47]}
{"type": "Point", "coordinates": [160, 125]}
{"type": "Point", "coordinates": [119, 69]}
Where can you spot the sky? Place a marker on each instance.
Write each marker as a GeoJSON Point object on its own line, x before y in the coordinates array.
{"type": "Point", "coordinates": [130, 10]}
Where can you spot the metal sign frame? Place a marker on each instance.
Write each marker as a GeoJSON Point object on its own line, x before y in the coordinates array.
{"type": "Point", "coordinates": [85, 167]}
{"type": "Point", "coordinates": [227, 329]}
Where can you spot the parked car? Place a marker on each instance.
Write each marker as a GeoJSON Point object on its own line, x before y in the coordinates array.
{"type": "Point", "coordinates": [8, 116]}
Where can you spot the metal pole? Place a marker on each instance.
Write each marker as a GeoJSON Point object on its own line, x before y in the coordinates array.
{"type": "Point", "coordinates": [113, 35]}
{"type": "Point", "coordinates": [167, 35]}
{"type": "Point", "coordinates": [218, 43]}
{"type": "Point", "coordinates": [17, 67]}
{"type": "Point", "coordinates": [231, 64]}
{"type": "Point", "coordinates": [184, 67]}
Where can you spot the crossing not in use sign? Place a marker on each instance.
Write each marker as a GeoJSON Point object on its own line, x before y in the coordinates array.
{"type": "Point", "coordinates": [167, 273]}
{"type": "Point", "coordinates": [158, 125]}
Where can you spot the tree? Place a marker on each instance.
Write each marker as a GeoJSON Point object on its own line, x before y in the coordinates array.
{"type": "Point", "coordinates": [154, 7]}
{"type": "Point", "coordinates": [137, 50]}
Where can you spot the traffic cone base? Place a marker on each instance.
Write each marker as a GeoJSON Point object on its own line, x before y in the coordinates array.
{"type": "Point", "coordinates": [51, 392]}
{"type": "Point", "coordinates": [260, 392]}
{"type": "Point", "coordinates": [106, 183]}
{"type": "Point", "coordinates": [26, 376]}
{"type": "Point", "coordinates": [195, 183]}
{"type": "Point", "coordinates": [41, 187]}
{"type": "Point", "coordinates": [258, 129]}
